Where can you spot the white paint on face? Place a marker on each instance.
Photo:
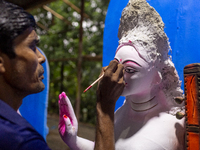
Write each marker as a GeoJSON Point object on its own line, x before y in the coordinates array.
{"type": "Point", "coordinates": [138, 75]}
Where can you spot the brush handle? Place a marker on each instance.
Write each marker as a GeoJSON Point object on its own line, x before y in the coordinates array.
{"type": "Point", "coordinates": [93, 83]}
{"type": "Point", "coordinates": [97, 80]}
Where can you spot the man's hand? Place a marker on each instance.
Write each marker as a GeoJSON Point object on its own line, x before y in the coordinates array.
{"type": "Point", "coordinates": [112, 84]}
{"type": "Point", "coordinates": [109, 89]}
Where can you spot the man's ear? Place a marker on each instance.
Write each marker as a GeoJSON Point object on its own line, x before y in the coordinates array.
{"type": "Point", "coordinates": [2, 68]}
{"type": "Point", "coordinates": [157, 78]}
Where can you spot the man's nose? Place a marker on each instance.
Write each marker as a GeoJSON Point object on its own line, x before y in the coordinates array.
{"type": "Point", "coordinates": [41, 57]}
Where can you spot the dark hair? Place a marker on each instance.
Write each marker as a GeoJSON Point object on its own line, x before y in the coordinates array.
{"type": "Point", "coordinates": [14, 20]}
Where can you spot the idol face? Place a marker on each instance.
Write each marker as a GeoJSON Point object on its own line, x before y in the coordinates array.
{"type": "Point", "coordinates": [139, 75]}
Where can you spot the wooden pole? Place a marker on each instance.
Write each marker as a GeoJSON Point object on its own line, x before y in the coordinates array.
{"type": "Point", "coordinates": [79, 65]}
{"type": "Point", "coordinates": [84, 58]}
{"type": "Point", "coordinates": [75, 8]}
{"type": "Point", "coordinates": [56, 14]}
{"type": "Point", "coordinates": [41, 26]}
{"type": "Point", "coordinates": [62, 77]}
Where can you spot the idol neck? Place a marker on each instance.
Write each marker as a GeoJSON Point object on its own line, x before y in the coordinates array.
{"type": "Point", "coordinates": [144, 104]}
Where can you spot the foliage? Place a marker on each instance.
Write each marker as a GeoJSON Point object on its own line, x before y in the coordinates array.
{"type": "Point", "coordinates": [61, 40]}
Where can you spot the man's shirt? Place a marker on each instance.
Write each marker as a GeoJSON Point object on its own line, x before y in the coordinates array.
{"type": "Point", "coordinates": [16, 133]}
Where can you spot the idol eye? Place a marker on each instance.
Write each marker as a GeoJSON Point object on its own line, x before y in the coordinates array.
{"type": "Point", "coordinates": [130, 70]}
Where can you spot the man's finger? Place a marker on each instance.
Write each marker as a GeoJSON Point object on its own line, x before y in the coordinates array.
{"type": "Point", "coordinates": [104, 68]}
{"type": "Point", "coordinates": [112, 67]}
{"type": "Point", "coordinates": [120, 70]}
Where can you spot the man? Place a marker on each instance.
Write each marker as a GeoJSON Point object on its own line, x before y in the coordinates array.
{"type": "Point", "coordinates": [21, 74]}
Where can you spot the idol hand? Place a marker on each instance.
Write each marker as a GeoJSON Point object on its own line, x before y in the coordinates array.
{"type": "Point", "coordinates": [68, 126]}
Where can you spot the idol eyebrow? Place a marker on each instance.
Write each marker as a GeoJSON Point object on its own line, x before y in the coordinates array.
{"type": "Point", "coordinates": [116, 59]}
{"type": "Point", "coordinates": [132, 61]}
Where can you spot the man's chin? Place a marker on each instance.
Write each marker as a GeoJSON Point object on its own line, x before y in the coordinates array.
{"type": "Point", "coordinates": [39, 88]}
{"type": "Point", "coordinates": [42, 88]}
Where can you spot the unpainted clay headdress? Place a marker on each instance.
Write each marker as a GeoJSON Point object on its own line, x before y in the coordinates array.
{"type": "Point", "coordinates": [143, 26]}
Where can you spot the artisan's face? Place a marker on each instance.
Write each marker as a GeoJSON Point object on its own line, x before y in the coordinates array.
{"type": "Point", "coordinates": [24, 73]}
{"type": "Point", "coordinates": [138, 76]}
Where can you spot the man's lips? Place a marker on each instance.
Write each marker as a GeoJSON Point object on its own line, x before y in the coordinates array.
{"type": "Point", "coordinates": [41, 76]}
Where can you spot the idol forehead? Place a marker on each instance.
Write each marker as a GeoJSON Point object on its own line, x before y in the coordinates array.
{"type": "Point", "coordinates": [129, 44]}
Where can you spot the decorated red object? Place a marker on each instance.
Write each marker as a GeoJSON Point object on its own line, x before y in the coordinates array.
{"type": "Point", "coordinates": [192, 106]}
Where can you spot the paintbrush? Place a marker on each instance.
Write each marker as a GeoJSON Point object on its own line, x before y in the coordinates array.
{"type": "Point", "coordinates": [98, 79]}
{"type": "Point", "coordinates": [93, 83]}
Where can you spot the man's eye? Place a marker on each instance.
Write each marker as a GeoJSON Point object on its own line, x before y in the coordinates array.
{"type": "Point", "coordinates": [130, 70]}
{"type": "Point", "coordinates": [33, 47]}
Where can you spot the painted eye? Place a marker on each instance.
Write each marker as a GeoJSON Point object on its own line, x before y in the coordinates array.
{"type": "Point", "coordinates": [130, 70]}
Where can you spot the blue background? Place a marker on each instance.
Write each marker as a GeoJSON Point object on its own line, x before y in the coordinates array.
{"type": "Point", "coordinates": [182, 26]}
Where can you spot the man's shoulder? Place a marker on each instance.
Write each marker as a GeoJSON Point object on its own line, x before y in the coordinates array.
{"type": "Point", "coordinates": [16, 131]}
{"type": "Point", "coordinates": [9, 127]}
{"type": "Point", "coordinates": [14, 136]}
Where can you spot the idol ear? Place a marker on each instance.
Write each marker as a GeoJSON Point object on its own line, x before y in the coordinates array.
{"type": "Point", "coordinates": [2, 68]}
{"type": "Point", "coordinates": [157, 78]}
